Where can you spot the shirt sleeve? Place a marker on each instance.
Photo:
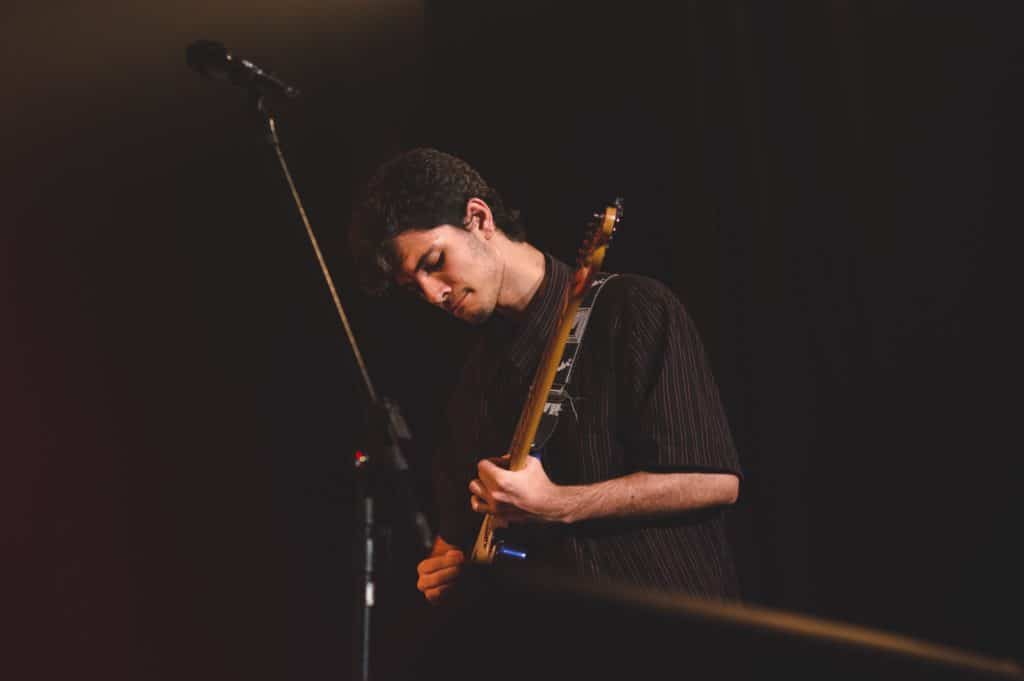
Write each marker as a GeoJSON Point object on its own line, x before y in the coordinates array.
{"type": "Point", "coordinates": [672, 415]}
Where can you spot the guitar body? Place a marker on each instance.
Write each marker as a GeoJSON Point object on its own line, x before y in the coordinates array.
{"type": "Point", "coordinates": [492, 541]}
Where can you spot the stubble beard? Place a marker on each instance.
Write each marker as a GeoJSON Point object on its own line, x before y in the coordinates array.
{"type": "Point", "coordinates": [495, 271]}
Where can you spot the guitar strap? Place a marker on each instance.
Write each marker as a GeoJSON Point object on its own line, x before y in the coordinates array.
{"type": "Point", "coordinates": [558, 396]}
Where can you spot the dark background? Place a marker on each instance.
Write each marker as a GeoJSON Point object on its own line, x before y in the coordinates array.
{"type": "Point", "coordinates": [831, 188]}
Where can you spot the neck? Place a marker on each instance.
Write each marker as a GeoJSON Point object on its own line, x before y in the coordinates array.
{"type": "Point", "coordinates": [521, 277]}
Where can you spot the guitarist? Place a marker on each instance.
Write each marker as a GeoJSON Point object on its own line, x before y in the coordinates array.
{"type": "Point", "coordinates": [633, 483]}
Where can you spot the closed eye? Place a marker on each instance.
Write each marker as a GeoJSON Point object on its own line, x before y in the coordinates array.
{"type": "Point", "coordinates": [436, 265]}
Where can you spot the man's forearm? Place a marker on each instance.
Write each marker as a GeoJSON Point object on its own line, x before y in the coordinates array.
{"type": "Point", "coordinates": [645, 493]}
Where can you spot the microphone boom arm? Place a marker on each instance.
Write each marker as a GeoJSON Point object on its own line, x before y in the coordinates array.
{"type": "Point", "coordinates": [386, 429]}
{"type": "Point", "coordinates": [276, 143]}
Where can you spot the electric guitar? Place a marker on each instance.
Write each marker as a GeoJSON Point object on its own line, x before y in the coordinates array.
{"type": "Point", "coordinates": [488, 544]}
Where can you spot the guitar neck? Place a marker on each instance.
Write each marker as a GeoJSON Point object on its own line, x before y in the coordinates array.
{"type": "Point", "coordinates": [591, 256]}
{"type": "Point", "coordinates": [544, 378]}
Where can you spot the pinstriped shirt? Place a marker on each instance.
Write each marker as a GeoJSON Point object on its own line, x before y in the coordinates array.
{"type": "Point", "coordinates": [643, 399]}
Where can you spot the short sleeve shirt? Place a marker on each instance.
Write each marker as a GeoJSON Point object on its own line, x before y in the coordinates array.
{"type": "Point", "coordinates": [643, 398]}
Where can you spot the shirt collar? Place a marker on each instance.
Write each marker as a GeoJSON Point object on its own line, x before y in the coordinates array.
{"type": "Point", "coordinates": [527, 336]}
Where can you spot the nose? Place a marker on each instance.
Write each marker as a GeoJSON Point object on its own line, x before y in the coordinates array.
{"type": "Point", "coordinates": [434, 290]}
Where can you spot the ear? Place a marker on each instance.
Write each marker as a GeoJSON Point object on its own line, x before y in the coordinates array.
{"type": "Point", "coordinates": [478, 218]}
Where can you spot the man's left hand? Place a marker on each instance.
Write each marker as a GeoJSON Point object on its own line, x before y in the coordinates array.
{"type": "Point", "coordinates": [526, 495]}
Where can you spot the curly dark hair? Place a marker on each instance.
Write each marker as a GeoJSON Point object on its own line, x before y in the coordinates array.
{"type": "Point", "coordinates": [417, 189]}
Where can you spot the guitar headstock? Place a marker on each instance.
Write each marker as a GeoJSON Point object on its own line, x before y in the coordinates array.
{"type": "Point", "coordinates": [598, 236]}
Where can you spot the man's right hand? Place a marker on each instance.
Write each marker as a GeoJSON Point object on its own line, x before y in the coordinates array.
{"type": "Point", "coordinates": [439, 572]}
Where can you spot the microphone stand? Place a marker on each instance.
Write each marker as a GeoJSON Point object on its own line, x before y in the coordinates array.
{"type": "Point", "coordinates": [385, 429]}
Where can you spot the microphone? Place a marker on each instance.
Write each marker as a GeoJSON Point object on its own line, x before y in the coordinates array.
{"type": "Point", "coordinates": [212, 60]}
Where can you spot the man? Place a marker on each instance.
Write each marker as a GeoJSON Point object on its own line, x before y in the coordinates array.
{"type": "Point", "coordinates": [632, 484]}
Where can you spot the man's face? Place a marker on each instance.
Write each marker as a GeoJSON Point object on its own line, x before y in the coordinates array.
{"type": "Point", "coordinates": [454, 268]}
